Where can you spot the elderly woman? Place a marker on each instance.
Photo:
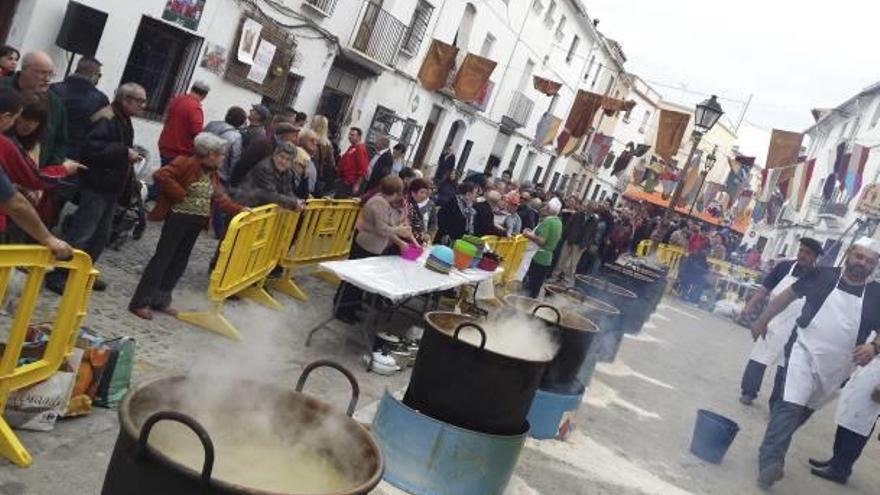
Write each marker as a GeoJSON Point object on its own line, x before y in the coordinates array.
{"type": "Point", "coordinates": [188, 185]}
{"type": "Point", "coordinates": [419, 192]}
{"type": "Point", "coordinates": [382, 230]}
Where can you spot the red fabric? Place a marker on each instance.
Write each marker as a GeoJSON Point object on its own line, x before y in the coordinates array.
{"type": "Point", "coordinates": [23, 172]}
{"type": "Point", "coordinates": [696, 242]}
{"type": "Point", "coordinates": [183, 121]}
{"type": "Point", "coordinates": [353, 164]}
{"type": "Point", "coordinates": [860, 171]}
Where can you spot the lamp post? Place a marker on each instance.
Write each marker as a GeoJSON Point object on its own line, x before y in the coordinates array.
{"type": "Point", "coordinates": [707, 167]}
{"type": "Point", "coordinates": [705, 117]}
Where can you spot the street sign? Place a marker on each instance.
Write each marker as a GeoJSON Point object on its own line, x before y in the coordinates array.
{"type": "Point", "coordinates": [869, 202]}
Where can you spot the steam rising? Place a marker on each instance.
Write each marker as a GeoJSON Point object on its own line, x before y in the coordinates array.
{"type": "Point", "coordinates": [516, 335]}
{"type": "Point", "coordinates": [237, 395]}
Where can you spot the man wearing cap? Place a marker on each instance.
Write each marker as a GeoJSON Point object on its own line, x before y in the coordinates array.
{"type": "Point", "coordinates": [840, 311]}
{"type": "Point", "coordinates": [770, 350]}
{"type": "Point", "coordinates": [184, 120]}
{"type": "Point", "coordinates": [258, 118]}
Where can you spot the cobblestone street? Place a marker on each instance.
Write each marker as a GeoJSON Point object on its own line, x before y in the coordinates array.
{"type": "Point", "coordinates": [633, 432]}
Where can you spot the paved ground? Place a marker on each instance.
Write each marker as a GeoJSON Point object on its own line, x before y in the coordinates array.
{"type": "Point", "coordinates": [633, 432]}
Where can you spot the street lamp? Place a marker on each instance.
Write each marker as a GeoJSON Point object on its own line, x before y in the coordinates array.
{"type": "Point", "coordinates": [707, 167]}
{"type": "Point", "coordinates": [705, 117]}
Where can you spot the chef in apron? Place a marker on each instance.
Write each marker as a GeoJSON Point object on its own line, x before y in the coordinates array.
{"type": "Point", "coordinates": [857, 412]}
{"type": "Point", "coordinates": [770, 351]}
{"type": "Point", "coordinates": [841, 308]}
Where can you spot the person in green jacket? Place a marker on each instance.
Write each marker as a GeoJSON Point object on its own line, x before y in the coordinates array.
{"type": "Point", "coordinates": [37, 72]}
{"type": "Point", "coordinates": [546, 235]}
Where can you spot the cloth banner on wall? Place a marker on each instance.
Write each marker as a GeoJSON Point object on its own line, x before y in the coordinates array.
{"type": "Point", "coordinates": [784, 150]}
{"type": "Point", "coordinates": [562, 141]}
{"type": "Point", "coordinates": [670, 133]}
{"type": "Point", "coordinates": [583, 110]}
{"type": "Point", "coordinates": [546, 86]}
{"type": "Point", "coordinates": [805, 181]}
{"type": "Point", "coordinates": [437, 65]}
{"type": "Point", "coordinates": [612, 106]}
{"type": "Point", "coordinates": [472, 77]}
{"type": "Point", "coordinates": [547, 128]}
{"type": "Point", "coordinates": [855, 170]}
{"type": "Point", "coordinates": [599, 148]}
{"type": "Point", "coordinates": [572, 146]}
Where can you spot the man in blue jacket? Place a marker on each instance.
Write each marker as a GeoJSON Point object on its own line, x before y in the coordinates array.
{"type": "Point", "coordinates": [82, 100]}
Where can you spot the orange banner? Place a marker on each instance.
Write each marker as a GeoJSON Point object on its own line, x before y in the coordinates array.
{"type": "Point", "coordinates": [546, 86]}
{"type": "Point", "coordinates": [670, 133]}
{"type": "Point", "coordinates": [584, 108]}
{"type": "Point", "coordinates": [785, 147]}
{"type": "Point", "coordinates": [472, 77]}
{"type": "Point", "coordinates": [437, 64]}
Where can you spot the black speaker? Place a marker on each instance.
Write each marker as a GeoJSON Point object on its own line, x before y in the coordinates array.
{"type": "Point", "coordinates": [82, 29]}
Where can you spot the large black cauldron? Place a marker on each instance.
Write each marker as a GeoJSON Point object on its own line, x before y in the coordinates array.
{"type": "Point", "coordinates": [468, 385]}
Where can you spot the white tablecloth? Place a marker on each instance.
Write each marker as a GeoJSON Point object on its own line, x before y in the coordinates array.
{"type": "Point", "coordinates": [397, 279]}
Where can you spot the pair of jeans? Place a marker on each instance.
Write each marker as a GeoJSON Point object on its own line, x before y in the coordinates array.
{"type": "Point", "coordinates": [535, 277]}
{"type": "Point", "coordinates": [754, 375]}
{"type": "Point", "coordinates": [179, 234]}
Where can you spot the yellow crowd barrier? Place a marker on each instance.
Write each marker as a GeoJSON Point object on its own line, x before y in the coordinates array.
{"type": "Point", "coordinates": [254, 243]}
{"type": "Point", "coordinates": [325, 233]}
{"type": "Point", "coordinates": [36, 261]}
{"type": "Point", "coordinates": [511, 250]}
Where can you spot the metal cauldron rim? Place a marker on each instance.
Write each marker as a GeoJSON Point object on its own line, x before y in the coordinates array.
{"type": "Point", "coordinates": [583, 324]}
{"type": "Point", "coordinates": [575, 294]}
{"type": "Point", "coordinates": [127, 423]}
{"type": "Point", "coordinates": [610, 286]}
{"type": "Point", "coordinates": [631, 272]}
{"type": "Point", "coordinates": [468, 319]}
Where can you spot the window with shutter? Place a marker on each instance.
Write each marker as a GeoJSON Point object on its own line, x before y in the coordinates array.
{"type": "Point", "coordinates": [418, 26]}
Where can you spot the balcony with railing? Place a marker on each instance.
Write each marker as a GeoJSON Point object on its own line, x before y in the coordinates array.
{"type": "Point", "coordinates": [323, 7]}
{"type": "Point", "coordinates": [378, 35]}
{"type": "Point", "coordinates": [519, 111]}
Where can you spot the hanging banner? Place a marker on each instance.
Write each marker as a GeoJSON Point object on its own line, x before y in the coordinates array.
{"type": "Point", "coordinates": [571, 146]}
{"type": "Point", "coordinates": [670, 133]}
{"type": "Point", "coordinates": [546, 86]}
{"type": "Point", "coordinates": [853, 179]}
{"type": "Point", "coordinates": [472, 77]}
{"type": "Point", "coordinates": [546, 130]}
{"type": "Point", "coordinates": [250, 38]}
{"type": "Point", "coordinates": [437, 65]}
{"type": "Point", "coordinates": [583, 110]}
{"type": "Point", "coordinates": [785, 148]}
{"type": "Point", "coordinates": [805, 181]}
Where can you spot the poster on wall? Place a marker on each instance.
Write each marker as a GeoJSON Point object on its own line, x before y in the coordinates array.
{"type": "Point", "coordinates": [186, 13]}
{"type": "Point", "coordinates": [214, 59]}
{"type": "Point", "coordinates": [250, 38]}
{"type": "Point", "coordinates": [262, 62]}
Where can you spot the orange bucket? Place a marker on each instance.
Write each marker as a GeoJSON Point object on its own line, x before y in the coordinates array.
{"type": "Point", "coordinates": [462, 260]}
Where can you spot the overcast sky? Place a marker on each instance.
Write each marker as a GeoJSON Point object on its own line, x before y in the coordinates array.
{"type": "Point", "coordinates": [791, 55]}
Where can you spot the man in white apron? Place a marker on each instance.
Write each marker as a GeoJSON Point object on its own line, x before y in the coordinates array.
{"type": "Point", "coordinates": [841, 309]}
{"type": "Point", "coordinates": [857, 413]}
{"type": "Point", "coordinates": [771, 350]}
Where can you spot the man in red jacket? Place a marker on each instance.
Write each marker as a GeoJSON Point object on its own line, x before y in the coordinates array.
{"type": "Point", "coordinates": [184, 119]}
{"type": "Point", "coordinates": [353, 166]}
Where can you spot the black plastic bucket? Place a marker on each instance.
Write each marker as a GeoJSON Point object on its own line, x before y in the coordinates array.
{"type": "Point", "coordinates": [713, 435]}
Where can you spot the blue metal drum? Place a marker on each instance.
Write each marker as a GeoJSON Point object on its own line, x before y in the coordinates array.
{"type": "Point", "coordinates": [424, 456]}
{"type": "Point", "coordinates": [552, 415]}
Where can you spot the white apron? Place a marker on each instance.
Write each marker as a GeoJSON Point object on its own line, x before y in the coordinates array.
{"type": "Point", "coordinates": [822, 357]}
{"type": "Point", "coordinates": [857, 411]}
{"type": "Point", "coordinates": [770, 350]}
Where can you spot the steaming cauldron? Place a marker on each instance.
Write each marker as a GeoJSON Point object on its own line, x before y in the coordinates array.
{"type": "Point", "coordinates": [576, 334]}
{"type": "Point", "coordinates": [615, 295]}
{"type": "Point", "coordinates": [138, 467]}
{"type": "Point", "coordinates": [646, 285]}
{"type": "Point", "coordinates": [468, 385]}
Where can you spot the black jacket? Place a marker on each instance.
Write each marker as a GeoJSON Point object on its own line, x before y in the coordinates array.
{"type": "Point", "coordinates": [446, 163]}
{"type": "Point", "coordinates": [105, 151]}
{"type": "Point", "coordinates": [484, 221]}
{"type": "Point", "coordinates": [529, 217]}
{"type": "Point", "coordinates": [450, 222]}
{"type": "Point", "coordinates": [580, 230]}
{"type": "Point", "coordinates": [82, 100]}
{"type": "Point", "coordinates": [382, 168]}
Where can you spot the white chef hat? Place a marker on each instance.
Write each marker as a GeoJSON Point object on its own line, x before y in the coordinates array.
{"type": "Point", "coordinates": [869, 244]}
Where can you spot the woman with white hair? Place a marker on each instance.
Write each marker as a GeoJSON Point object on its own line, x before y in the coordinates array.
{"type": "Point", "coordinates": [188, 187]}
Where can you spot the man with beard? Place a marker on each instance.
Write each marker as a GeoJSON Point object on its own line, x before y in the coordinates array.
{"type": "Point", "coordinates": [840, 311]}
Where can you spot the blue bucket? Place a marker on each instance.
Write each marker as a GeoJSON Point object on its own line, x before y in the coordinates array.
{"type": "Point", "coordinates": [713, 435]}
{"type": "Point", "coordinates": [552, 415]}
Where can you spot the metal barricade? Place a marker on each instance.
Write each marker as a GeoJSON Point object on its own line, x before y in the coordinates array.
{"type": "Point", "coordinates": [251, 249]}
{"type": "Point", "coordinates": [326, 230]}
{"type": "Point", "coordinates": [36, 261]}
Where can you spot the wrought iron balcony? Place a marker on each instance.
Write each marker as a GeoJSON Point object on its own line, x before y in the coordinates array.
{"type": "Point", "coordinates": [325, 7]}
{"type": "Point", "coordinates": [520, 110]}
{"type": "Point", "coordinates": [379, 34]}
{"type": "Point", "coordinates": [833, 208]}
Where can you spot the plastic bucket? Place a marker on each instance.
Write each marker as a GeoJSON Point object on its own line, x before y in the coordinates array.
{"type": "Point", "coordinates": [713, 435]}
{"type": "Point", "coordinates": [462, 260]}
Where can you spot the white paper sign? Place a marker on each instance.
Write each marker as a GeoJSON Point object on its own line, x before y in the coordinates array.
{"type": "Point", "coordinates": [260, 67]}
{"type": "Point", "coordinates": [250, 38]}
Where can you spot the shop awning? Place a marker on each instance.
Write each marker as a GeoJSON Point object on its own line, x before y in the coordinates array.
{"type": "Point", "coordinates": [636, 194]}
